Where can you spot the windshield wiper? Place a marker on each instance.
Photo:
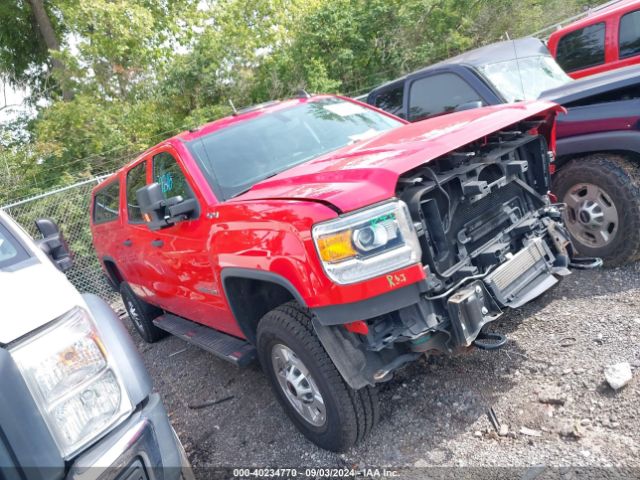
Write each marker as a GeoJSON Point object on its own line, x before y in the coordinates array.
{"type": "Point", "coordinates": [261, 180]}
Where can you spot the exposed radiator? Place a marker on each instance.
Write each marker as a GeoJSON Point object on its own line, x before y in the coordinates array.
{"type": "Point", "coordinates": [522, 261]}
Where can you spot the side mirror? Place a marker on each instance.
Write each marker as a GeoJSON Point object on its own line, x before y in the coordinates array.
{"type": "Point", "coordinates": [468, 106]}
{"type": "Point", "coordinates": [54, 244]}
{"type": "Point", "coordinates": [159, 213]}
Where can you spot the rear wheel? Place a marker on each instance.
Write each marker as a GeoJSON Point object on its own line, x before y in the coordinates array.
{"type": "Point", "coordinates": [319, 402]}
{"type": "Point", "coordinates": [141, 314]}
{"type": "Point", "coordinates": [602, 194]}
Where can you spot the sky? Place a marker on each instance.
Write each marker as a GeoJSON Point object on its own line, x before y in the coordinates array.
{"type": "Point", "coordinates": [13, 97]}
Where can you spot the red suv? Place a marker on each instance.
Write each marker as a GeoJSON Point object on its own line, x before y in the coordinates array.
{"type": "Point", "coordinates": [607, 39]}
{"type": "Point", "coordinates": [335, 242]}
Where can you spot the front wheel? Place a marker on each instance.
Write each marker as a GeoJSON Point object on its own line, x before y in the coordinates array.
{"type": "Point", "coordinates": [602, 194]}
{"type": "Point", "coordinates": [313, 393]}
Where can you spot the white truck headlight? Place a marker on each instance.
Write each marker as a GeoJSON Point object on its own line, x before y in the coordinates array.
{"type": "Point", "coordinates": [367, 243]}
{"type": "Point", "coordinates": [72, 379]}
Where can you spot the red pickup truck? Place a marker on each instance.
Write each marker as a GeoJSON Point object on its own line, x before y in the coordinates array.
{"type": "Point", "coordinates": [335, 242]}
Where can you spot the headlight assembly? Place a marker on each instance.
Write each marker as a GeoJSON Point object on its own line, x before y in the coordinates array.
{"type": "Point", "coordinates": [367, 243]}
{"type": "Point", "coordinates": [73, 381]}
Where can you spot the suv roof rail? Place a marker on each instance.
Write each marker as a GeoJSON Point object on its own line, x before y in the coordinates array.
{"type": "Point", "coordinates": [252, 108]}
{"type": "Point", "coordinates": [542, 33]}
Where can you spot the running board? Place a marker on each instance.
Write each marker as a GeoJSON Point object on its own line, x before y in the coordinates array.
{"type": "Point", "coordinates": [232, 349]}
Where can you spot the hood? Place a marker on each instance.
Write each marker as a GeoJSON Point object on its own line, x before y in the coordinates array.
{"type": "Point", "coordinates": [367, 172]}
{"type": "Point", "coordinates": [593, 85]}
{"type": "Point", "coordinates": [32, 297]}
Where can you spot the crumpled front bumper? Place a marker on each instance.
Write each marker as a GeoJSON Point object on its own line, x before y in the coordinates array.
{"type": "Point", "coordinates": [416, 321]}
{"type": "Point", "coordinates": [145, 446]}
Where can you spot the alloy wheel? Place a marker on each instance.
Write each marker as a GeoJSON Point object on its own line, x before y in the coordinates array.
{"type": "Point", "coordinates": [298, 386]}
{"type": "Point", "coordinates": [591, 216]}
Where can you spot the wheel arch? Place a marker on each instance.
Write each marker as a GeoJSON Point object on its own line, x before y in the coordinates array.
{"type": "Point", "coordinates": [627, 144]}
{"type": "Point", "coordinates": [252, 293]}
{"type": "Point", "coordinates": [112, 272]}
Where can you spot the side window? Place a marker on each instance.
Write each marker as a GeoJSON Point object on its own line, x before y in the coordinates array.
{"type": "Point", "coordinates": [167, 173]}
{"type": "Point", "coordinates": [136, 179]}
{"type": "Point", "coordinates": [106, 203]}
{"type": "Point", "coordinates": [582, 48]}
{"type": "Point", "coordinates": [437, 94]}
{"type": "Point", "coordinates": [391, 100]}
{"type": "Point", "coordinates": [629, 40]}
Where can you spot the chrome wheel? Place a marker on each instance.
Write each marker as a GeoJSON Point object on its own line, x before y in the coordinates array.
{"type": "Point", "coordinates": [591, 216]}
{"type": "Point", "coordinates": [297, 385]}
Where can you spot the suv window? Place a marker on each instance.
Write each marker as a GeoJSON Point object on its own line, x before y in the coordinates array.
{"type": "Point", "coordinates": [391, 100]}
{"type": "Point", "coordinates": [629, 39]}
{"type": "Point", "coordinates": [11, 252]}
{"type": "Point", "coordinates": [106, 203]}
{"type": "Point", "coordinates": [582, 48]}
{"type": "Point", "coordinates": [440, 93]}
{"type": "Point", "coordinates": [167, 173]}
{"type": "Point", "coordinates": [136, 179]}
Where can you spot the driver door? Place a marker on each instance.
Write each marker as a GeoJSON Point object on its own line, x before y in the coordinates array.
{"type": "Point", "coordinates": [183, 275]}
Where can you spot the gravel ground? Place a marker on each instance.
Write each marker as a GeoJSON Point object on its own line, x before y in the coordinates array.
{"type": "Point", "coordinates": [546, 387]}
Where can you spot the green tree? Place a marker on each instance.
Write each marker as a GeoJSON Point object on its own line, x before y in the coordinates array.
{"type": "Point", "coordinates": [140, 70]}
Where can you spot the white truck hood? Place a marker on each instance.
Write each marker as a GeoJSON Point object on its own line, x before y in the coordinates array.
{"type": "Point", "coordinates": [33, 296]}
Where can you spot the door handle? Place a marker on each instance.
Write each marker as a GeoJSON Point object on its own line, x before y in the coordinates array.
{"type": "Point", "coordinates": [127, 242]}
{"type": "Point", "coordinates": [157, 243]}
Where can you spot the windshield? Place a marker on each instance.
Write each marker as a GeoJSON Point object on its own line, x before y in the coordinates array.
{"type": "Point", "coordinates": [236, 158]}
{"type": "Point", "coordinates": [525, 78]}
{"type": "Point", "coordinates": [11, 251]}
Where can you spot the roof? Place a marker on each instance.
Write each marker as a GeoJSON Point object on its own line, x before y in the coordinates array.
{"type": "Point", "coordinates": [493, 53]}
{"type": "Point", "coordinates": [596, 14]}
{"type": "Point", "coordinates": [240, 116]}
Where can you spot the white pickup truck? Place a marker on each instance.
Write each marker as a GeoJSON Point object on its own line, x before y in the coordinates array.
{"type": "Point", "coordinates": [76, 400]}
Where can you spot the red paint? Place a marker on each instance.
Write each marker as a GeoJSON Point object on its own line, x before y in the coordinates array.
{"type": "Point", "coordinates": [269, 228]}
{"type": "Point", "coordinates": [611, 17]}
{"type": "Point", "coordinates": [359, 175]}
{"type": "Point", "coordinates": [359, 327]}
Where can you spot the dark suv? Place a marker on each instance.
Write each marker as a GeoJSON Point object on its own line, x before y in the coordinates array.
{"type": "Point", "coordinates": [598, 139]}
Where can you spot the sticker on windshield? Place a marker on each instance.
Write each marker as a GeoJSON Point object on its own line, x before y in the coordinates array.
{"type": "Point", "coordinates": [345, 109]}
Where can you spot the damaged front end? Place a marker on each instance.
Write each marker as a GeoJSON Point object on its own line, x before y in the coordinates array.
{"type": "Point", "coordinates": [490, 239]}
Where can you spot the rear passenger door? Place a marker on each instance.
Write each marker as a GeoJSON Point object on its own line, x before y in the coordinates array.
{"type": "Point", "coordinates": [105, 217]}
{"type": "Point", "coordinates": [183, 281]}
{"type": "Point", "coordinates": [136, 234]}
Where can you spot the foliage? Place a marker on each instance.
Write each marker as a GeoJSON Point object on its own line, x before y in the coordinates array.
{"type": "Point", "coordinates": [22, 50]}
{"type": "Point", "coordinates": [141, 70]}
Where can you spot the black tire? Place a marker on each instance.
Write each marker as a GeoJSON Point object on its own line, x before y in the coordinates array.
{"type": "Point", "coordinates": [141, 314]}
{"type": "Point", "coordinates": [619, 179]}
{"type": "Point", "coordinates": [350, 414]}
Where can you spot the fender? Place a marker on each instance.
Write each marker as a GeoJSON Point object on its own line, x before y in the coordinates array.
{"type": "Point", "coordinates": [599, 142]}
{"type": "Point", "coordinates": [246, 314]}
{"type": "Point", "coordinates": [351, 365]}
{"type": "Point", "coordinates": [232, 272]}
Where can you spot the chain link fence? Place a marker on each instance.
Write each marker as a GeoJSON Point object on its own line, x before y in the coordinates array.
{"type": "Point", "coordinates": [69, 208]}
